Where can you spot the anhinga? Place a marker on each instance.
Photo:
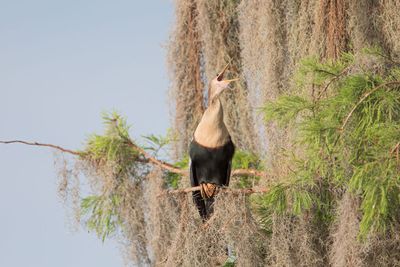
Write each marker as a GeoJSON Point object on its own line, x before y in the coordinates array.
{"type": "Point", "coordinates": [211, 150]}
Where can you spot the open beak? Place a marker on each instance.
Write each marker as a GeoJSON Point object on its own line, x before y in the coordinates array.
{"type": "Point", "coordinates": [232, 80]}
{"type": "Point", "coordinates": [221, 75]}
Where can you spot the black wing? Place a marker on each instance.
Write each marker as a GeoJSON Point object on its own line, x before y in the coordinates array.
{"type": "Point", "coordinates": [197, 198]}
{"type": "Point", "coordinates": [193, 176]}
{"type": "Point", "coordinates": [228, 173]}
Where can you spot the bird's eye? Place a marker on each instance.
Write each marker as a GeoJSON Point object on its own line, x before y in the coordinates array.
{"type": "Point", "coordinates": [217, 74]}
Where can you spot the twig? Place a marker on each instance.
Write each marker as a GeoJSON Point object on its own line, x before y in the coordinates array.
{"type": "Point", "coordinates": [183, 190]}
{"type": "Point", "coordinates": [162, 164]}
{"type": "Point", "coordinates": [388, 58]}
{"type": "Point", "coordinates": [76, 153]}
{"type": "Point", "coordinates": [248, 172]}
{"type": "Point", "coordinates": [395, 148]}
{"type": "Point", "coordinates": [327, 72]}
{"type": "Point", "coordinates": [330, 82]}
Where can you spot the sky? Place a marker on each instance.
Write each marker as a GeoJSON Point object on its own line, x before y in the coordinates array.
{"type": "Point", "coordinates": [63, 63]}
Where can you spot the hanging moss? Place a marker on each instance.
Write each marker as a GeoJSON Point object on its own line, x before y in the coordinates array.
{"type": "Point", "coordinates": [185, 66]}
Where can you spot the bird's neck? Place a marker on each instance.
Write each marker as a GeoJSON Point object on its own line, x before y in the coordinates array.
{"type": "Point", "coordinates": [211, 131]}
{"type": "Point", "coordinates": [214, 111]}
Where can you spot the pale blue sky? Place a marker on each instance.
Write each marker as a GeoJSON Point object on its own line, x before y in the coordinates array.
{"type": "Point", "coordinates": [61, 64]}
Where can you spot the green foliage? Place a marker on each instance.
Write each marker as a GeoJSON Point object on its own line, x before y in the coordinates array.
{"type": "Point", "coordinates": [112, 147]}
{"type": "Point", "coordinates": [101, 213]}
{"type": "Point", "coordinates": [294, 196]}
{"type": "Point", "coordinates": [173, 179]}
{"type": "Point", "coordinates": [285, 109]}
{"type": "Point", "coordinates": [313, 71]}
{"type": "Point", "coordinates": [117, 169]}
{"type": "Point", "coordinates": [346, 138]}
{"type": "Point", "coordinates": [156, 143]}
{"type": "Point", "coordinates": [246, 160]}
{"type": "Point", "coordinates": [231, 260]}
{"type": "Point", "coordinates": [160, 146]}
{"type": "Point", "coordinates": [229, 263]}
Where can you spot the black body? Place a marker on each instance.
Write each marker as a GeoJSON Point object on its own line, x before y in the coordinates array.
{"type": "Point", "coordinates": [209, 165]}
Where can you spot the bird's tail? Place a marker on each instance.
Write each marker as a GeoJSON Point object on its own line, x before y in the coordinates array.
{"type": "Point", "coordinates": [204, 199]}
{"type": "Point", "coordinates": [208, 190]}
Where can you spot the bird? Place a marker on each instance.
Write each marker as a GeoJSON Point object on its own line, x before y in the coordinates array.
{"type": "Point", "coordinates": [211, 149]}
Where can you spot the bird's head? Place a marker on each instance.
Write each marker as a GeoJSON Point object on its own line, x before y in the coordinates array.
{"type": "Point", "coordinates": [218, 84]}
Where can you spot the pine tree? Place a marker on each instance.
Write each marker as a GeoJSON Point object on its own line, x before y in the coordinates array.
{"type": "Point", "coordinates": [348, 134]}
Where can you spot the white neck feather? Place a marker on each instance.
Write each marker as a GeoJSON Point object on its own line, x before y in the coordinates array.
{"type": "Point", "coordinates": [211, 131]}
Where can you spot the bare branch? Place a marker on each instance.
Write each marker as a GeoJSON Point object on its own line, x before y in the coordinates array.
{"type": "Point", "coordinates": [248, 172]}
{"type": "Point", "coordinates": [76, 153]}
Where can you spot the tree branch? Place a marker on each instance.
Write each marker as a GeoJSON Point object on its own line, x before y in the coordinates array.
{"type": "Point", "coordinates": [162, 164]}
{"type": "Point", "coordinates": [230, 190]}
{"type": "Point", "coordinates": [248, 172]}
{"type": "Point", "coordinates": [152, 160]}
{"type": "Point", "coordinates": [327, 72]}
{"type": "Point", "coordinates": [76, 153]}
